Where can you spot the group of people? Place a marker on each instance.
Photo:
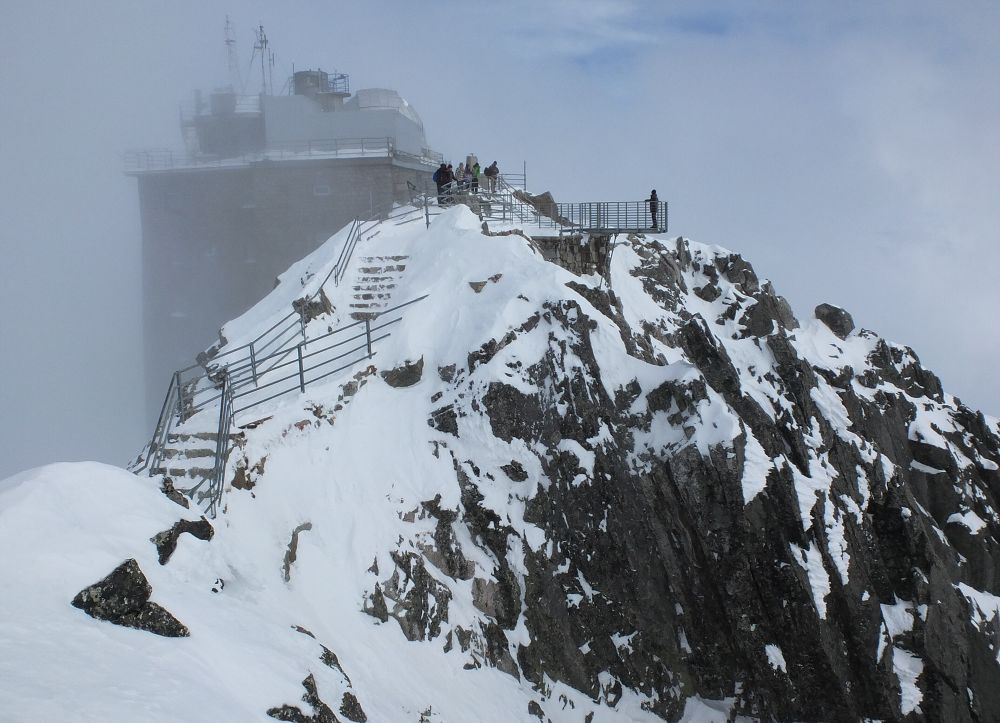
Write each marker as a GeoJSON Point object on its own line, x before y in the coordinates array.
{"type": "Point", "coordinates": [465, 179]}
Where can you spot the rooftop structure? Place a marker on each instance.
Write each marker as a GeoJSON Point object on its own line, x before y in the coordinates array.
{"type": "Point", "coordinates": [262, 181]}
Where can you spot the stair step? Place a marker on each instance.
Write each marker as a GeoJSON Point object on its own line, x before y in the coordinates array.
{"type": "Point", "coordinates": [188, 453]}
{"type": "Point", "coordinates": [189, 472]}
{"type": "Point", "coordinates": [202, 436]}
{"type": "Point", "coordinates": [397, 268]}
{"type": "Point", "coordinates": [371, 295]}
{"type": "Point", "coordinates": [384, 258]}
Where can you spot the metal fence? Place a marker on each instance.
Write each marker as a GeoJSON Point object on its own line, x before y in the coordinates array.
{"type": "Point", "coordinates": [513, 205]}
{"type": "Point", "coordinates": [604, 216]}
{"type": "Point", "coordinates": [140, 161]}
{"type": "Point", "coordinates": [278, 361]}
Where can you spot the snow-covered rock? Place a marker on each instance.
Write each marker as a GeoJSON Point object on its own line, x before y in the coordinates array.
{"type": "Point", "coordinates": [655, 495]}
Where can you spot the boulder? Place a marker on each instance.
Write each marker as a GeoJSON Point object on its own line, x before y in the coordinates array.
{"type": "Point", "coordinates": [166, 541]}
{"type": "Point", "coordinates": [405, 375]}
{"type": "Point", "coordinates": [122, 598]}
{"type": "Point", "coordinates": [839, 321]}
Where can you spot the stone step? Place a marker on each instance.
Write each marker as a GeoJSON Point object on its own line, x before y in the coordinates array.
{"type": "Point", "coordinates": [370, 296]}
{"type": "Point", "coordinates": [184, 472]}
{"type": "Point", "coordinates": [384, 258]}
{"type": "Point", "coordinates": [201, 436]}
{"type": "Point", "coordinates": [396, 268]}
{"type": "Point", "coordinates": [188, 452]}
{"type": "Point", "coordinates": [362, 315]}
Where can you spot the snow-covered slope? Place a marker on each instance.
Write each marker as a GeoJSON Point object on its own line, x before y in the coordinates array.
{"type": "Point", "coordinates": [546, 497]}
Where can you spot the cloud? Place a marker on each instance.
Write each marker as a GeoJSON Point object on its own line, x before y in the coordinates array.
{"type": "Point", "coordinates": [849, 150]}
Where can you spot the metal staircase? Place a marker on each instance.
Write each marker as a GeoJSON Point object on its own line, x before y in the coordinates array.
{"type": "Point", "coordinates": [194, 431]}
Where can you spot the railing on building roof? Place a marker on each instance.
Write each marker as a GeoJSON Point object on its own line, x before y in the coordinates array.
{"type": "Point", "coordinates": [143, 161]}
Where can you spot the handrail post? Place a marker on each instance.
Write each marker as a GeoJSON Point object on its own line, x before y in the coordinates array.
{"type": "Point", "coordinates": [302, 325]}
{"type": "Point", "coordinates": [253, 364]}
{"type": "Point", "coordinates": [368, 337]}
{"type": "Point", "coordinates": [427, 213]}
{"type": "Point", "coordinates": [302, 377]}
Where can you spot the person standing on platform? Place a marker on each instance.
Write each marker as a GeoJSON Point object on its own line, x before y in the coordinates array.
{"type": "Point", "coordinates": [439, 180]}
{"type": "Point", "coordinates": [654, 207]}
{"type": "Point", "coordinates": [491, 174]}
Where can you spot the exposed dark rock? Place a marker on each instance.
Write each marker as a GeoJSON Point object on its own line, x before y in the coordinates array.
{"type": "Point", "coordinates": [166, 541]}
{"type": "Point", "coordinates": [173, 494]}
{"type": "Point", "coordinates": [313, 308]}
{"type": "Point", "coordinates": [515, 471]}
{"type": "Point", "coordinates": [122, 598]}
{"type": "Point", "coordinates": [419, 602]}
{"type": "Point", "coordinates": [245, 476]}
{"type": "Point", "coordinates": [837, 319]}
{"type": "Point", "coordinates": [320, 712]}
{"type": "Point", "coordinates": [405, 375]}
{"type": "Point", "coordinates": [488, 350]}
{"type": "Point", "coordinates": [769, 313]}
{"type": "Point", "coordinates": [512, 413]}
{"type": "Point", "coordinates": [446, 554]}
{"type": "Point", "coordinates": [351, 709]}
{"type": "Point", "coordinates": [444, 420]}
{"type": "Point", "coordinates": [293, 549]}
{"type": "Point", "coordinates": [375, 605]}
{"type": "Point", "coordinates": [708, 292]}
{"type": "Point", "coordinates": [673, 553]}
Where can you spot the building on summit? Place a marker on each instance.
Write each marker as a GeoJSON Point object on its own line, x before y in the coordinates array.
{"type": "Point", "coordinates": [264, 180]}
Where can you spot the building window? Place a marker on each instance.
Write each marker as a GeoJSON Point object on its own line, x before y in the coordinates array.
{"type": "Point", "coordinates": [321, 185]}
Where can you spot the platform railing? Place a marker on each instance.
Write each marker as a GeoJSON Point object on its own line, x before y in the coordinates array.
{"type": "Point", "coordinates": [144, 160]}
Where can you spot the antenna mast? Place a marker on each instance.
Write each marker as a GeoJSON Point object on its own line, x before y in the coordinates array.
{"type": "Point", "coordinates": [266, 60]}
{"type": "Point", "coordinates": [234, 61]}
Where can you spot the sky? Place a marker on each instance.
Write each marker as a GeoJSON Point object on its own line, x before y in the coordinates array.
{"type": "Point", "coordinates": [849, 150]}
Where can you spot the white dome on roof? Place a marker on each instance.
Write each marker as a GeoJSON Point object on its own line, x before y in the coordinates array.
{"type": "Point", "coordinates": [380, 99]}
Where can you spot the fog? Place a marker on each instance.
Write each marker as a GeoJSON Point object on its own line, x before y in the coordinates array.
{"type": "Point", "coordinates": [849, 150]}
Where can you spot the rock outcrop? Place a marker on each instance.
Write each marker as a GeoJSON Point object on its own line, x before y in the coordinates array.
{"type": "Point", "coordinates": [810, 539]}
{"type": "Point", "coordinates": [122, 598]}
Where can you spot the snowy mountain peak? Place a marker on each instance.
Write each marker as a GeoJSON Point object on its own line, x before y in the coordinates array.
{"type": "Point", "coordinates": [652, 494]}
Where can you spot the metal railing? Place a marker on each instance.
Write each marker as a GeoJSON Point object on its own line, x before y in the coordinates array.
{"type": "Point", "coordinates": [346, 346]}
{"type": "Point", "coordinates": [604, 216]}
{"type": "Point", "coordinates": [140, 161]}
{"type": "Point", "coordinates": [511, 204]}
{"type": "Point", "coordinates": [234, 377]}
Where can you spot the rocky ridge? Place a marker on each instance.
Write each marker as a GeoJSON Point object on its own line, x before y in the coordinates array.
{"type": "Point", "coordinates": [793, 518]}
{"type": "Point", "coordinates": [654, 495]}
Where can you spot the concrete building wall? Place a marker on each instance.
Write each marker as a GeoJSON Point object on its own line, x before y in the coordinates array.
{"type": "Point", "coordinates": [294, 119]}
{"type": "Point", "coordinates": [214, 241]}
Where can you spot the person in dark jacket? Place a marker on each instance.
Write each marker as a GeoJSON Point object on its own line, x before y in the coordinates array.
{"type": "Point", "coordinates": [654, 206]}
{"type": "Point", "coordinates": [449, 183]}
{"type": "Point", "coordinates": [491, 173]}
{"type": "Point", "coordinates": [439, 180]}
